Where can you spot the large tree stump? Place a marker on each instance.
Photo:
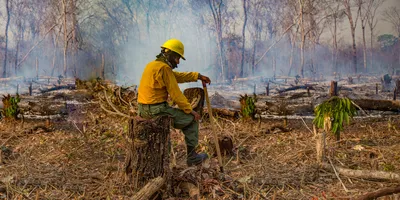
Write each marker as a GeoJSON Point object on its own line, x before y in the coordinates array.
{"type": "Point", "coordinates": [148, 150]}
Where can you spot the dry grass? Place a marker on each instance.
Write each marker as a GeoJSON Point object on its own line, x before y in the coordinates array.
{"type": "Point", "coordinates": [70, 163]}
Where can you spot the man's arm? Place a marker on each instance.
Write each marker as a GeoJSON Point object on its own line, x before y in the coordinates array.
{"type": "Point", "coordinates": [184, 77]}
{"type": "Point", "coordinates": [174, 91]}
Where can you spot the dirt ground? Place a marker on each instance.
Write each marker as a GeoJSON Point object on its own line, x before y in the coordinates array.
{"type": "Point", "coordinates": [81, 156]}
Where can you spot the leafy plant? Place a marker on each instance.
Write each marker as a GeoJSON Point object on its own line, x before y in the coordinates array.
{"type": "Point", "coordinates": [334, 111]}
{"type": "Point", "coordinates": [11, 108]}
{"type": "Point", "coordinates": [248, 106]}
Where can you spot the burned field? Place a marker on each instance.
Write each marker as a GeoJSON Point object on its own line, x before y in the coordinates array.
{"type": "Point", "coordinates": [72, 144]}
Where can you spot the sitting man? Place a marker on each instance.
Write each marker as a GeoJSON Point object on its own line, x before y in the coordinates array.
{"type": "Point", "coordinates": [157, 82]}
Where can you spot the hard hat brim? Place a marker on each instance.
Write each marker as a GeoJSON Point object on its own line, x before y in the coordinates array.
{"type": "Point", "coordinates": [175, 52]}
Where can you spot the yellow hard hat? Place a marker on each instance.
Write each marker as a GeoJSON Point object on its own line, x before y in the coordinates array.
{"type": "Point", "coordinates": [176, 46]}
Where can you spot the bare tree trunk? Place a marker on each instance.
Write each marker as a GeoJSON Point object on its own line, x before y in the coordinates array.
{"type": "Point", "coordinates": [19, 38]}
{"type": "Point", "coordinates": [75, 30]}
{"type": "Point", "coordinates": [216, 12]}
{"type": "Point", "coordinates": [353, 25]}
{"type": "Point", "coordinates": [303, 39]}
{"type": "Point", "coordinates": [6, 39]}
{"type": "Point", "coordinates": [293, 42]}
{"type": "Point", "coordinates": [55, 41]}
{"type": "Point", "coordinates": [65, 37]}
{"type": "Point", "coordinates": [244, 38]}
{"type": "Point", "coordinates": [364, 49]}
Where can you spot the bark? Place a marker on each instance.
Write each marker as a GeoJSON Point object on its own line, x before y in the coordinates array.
{"type": "Point", "coordinates": [363, 174]}
{"type": "Point", "coordinates": [244, 38]}
{"type": "Point", "coordinates": [6, 39]}
{"type": "Point", "coordinates": [149, 189]}
{"type": "Point", "coordinates": [148, 150]}
{"type": "Point", "coordinates": [379, 193]}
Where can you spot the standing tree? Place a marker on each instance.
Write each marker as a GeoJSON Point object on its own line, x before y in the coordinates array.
{"type": "Point", "coordinates": [392, 15]}
{"type": "Point", "coordinates": [336, 15]}
{"type": "Point", "coordinates": [6, 39]}
{"type": "Point", "coordinates": [217, 8]}
{"type": "Point", "coordinates": [353, 25]}
{"type": "Point", "coordinates": [245, 6]}
{"type": "Point", "coordinates": [372, 21]}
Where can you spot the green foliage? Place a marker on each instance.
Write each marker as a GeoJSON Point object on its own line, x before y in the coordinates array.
{"type": "Point", "coordinates": [11, 108]}
{"type": "Point", "coordinates": [387, 41]}
{"type": "Point", "coordinates": [339, 110]}
{"type": "Point", "coordinates": [248, 106]}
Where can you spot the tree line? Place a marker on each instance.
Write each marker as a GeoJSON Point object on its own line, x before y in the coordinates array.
{"type": "Point", "coordinates": [241, 38]}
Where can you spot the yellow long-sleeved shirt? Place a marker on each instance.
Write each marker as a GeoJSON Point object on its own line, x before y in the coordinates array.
{"type": "Point", "coordinates": [158, 80]}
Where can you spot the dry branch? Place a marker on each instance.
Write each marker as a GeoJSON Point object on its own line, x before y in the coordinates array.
{"type": "Point", "coordinates": [364, 174]}
{"type": "Point", "coordinates": [149, 189]}
{"type": "Point", "coordinates": [379, 193]}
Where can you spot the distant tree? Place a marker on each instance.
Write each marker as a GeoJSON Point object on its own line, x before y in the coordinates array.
{"type": "Point", "coordinates": [8, 10]}
{"type": "Point", "coordinates": [353, 25]}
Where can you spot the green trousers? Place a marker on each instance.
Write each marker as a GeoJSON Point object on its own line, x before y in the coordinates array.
{"type": "Point", "coordinates": [181, 120]}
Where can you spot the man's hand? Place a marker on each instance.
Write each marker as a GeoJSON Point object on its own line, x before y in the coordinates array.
{"type": "Point", "coordinates": [196, 115]}
{"type": "Point", "coordinates": [204, 79]}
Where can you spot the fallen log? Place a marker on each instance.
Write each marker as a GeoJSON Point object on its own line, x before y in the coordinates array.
{"type": "Point", "coordinates": [382, 105]}
{"type": "Point", "coordinates": [295, 88]}
{"type": "Point", "coordinates": [11, 79]}
{"type": "Point", "coordinates": [379, 193]}
{"type": "Point", "coordinates": [224, 112]}
{"type": "Point", "coordinates": [149, 189]}
{"type": "Point", "coordinates": [363, 174]}
{"type": "Point", "coordinates": [70, 87]}
{"type": "Point", "coordinates": [256, 78]}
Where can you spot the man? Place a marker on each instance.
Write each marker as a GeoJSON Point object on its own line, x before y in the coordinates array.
{"type": "Point", "coordinates": [158, 81]}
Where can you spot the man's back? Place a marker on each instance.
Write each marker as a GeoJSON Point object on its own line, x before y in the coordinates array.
{"type": "Point", "coordinates": [152, 89]}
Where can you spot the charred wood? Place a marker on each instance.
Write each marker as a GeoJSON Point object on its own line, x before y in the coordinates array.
{"type": "Point", "coordinates": [70, 87]}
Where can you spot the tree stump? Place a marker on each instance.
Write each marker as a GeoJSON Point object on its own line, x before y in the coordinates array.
{"type": "Point", "coordinates": [195, 97]}
{"type": "Point", "coordinates": [148, 150]}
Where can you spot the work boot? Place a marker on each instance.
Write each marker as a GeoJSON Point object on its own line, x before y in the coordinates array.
{"type": "Point", "coordinates": [194, 158]}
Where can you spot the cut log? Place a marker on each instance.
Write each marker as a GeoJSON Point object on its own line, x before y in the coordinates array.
{"type": "Point", "coordinates": [224, 112]}
{"type": "Point", "coordinates": [382, 105]}
{"type": "Point", "coordinates": [147, 153]}
{"type": "Point", "coordinates": [149, 189]}
{"type": "Point", "coordinates": [379, 193]}
{"type": "Point", "coordinates": [364, 174]}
